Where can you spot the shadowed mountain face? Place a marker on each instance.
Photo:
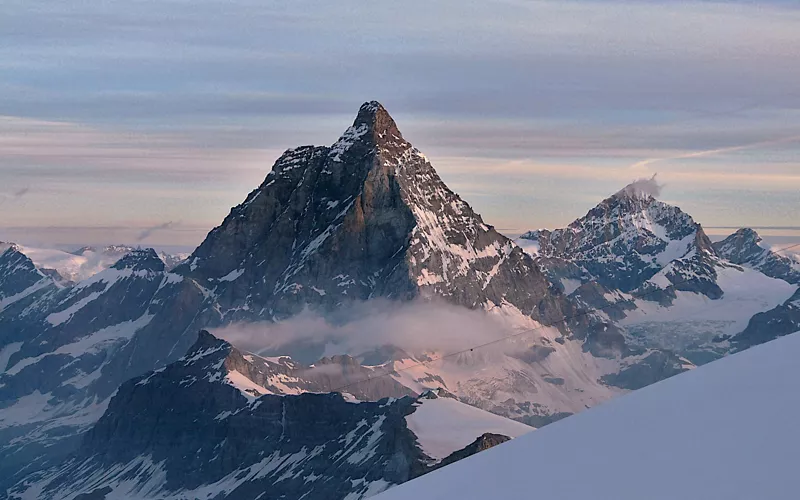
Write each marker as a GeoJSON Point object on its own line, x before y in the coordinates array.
{"type": "Point", "coordinates": [367, 217]}
{"type": "Point", "coordinates": [205, 427]}
{"type": "Point", "coordinates": [19, 277]}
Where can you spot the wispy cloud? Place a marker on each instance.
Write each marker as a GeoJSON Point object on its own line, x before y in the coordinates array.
{"type": "Point", "coordinates": [15, 195]}
{"type": "Point", "coordinates": [542, 93]}
{"type": "Point", "coordinates": [150, 230]}
{"type": "Point", "coordinates": [717, 151]}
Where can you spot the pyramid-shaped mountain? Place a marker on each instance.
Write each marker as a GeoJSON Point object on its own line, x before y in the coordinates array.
{"type": "Point", "coordinates": [367, 217]}
{"type": "Point", "coordinates": [629, 238]}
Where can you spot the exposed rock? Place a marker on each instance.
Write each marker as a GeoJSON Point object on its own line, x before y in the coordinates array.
{"type": "Point", "coordinates": [744, 247]}
{"type": "Point", "coordinates": [198, 429]}
{"type": "Point", "coordinates": [769, 325]}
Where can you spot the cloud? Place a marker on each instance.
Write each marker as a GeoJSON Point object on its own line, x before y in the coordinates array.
{"type": "Point", "coordinates": [719, 151]}
{"type": "Point", "coordinates": [643, 187]}
{"type": "Point", "coordinates": [580, 88]}
{"type": "Point", "coordinates": [16, 195]}
{"type": "Point", "coordinates": [150, 230]}
{"type": "Point", "coordinates": [418, 327]}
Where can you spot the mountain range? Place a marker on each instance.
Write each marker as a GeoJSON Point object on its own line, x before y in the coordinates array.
{"type": "Point", "coordinates": [70, 267]}
{"type": "Point", "coordinates": [716, 432]}
{"type": "Point", "coordinates": [106, 387]}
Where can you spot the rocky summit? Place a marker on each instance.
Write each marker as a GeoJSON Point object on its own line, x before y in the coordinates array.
{"type": "Point", "coordinates": [367, 217]}
{"type": "Point", "coordinates": [650, 268]}
{"type": "Point", "coordinates": [745, 247]}
{"type": "Point", "coordinates": [628, 239]}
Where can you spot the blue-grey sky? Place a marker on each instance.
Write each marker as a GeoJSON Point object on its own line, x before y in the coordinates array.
{"type": "Point", "coordinates": [117, 117]}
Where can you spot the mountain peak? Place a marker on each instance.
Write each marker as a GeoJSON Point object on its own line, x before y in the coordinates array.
{"type": "Point", "coordinates": [373, 117]}
{"type": "Point", "coordinates": [7, 245]}
{"type": "Point", "coordinates": [371, 112]}
{"type": "Point", "coordinates": [745, 247]}
{"type": "Point", "coordinates": [748, 234]}
{"type": "Point", "coordinates": [142, 259]}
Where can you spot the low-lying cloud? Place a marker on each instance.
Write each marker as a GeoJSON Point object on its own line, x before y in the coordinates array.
{"type": "Point", "coordinates": [416, 328]}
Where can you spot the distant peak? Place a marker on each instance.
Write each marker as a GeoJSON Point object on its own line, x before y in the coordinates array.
{"type": "Point", "coordinates": [644, 188]}
{"type": "Point", "coordinates": [206, 339]}
{"type": "Point", "coordinates": [143, 259]}
{"type": "Point", "coordinates": [7, 245]}
{"type": "Point", "coordinates": [377, 119]}
{"type": "Point", "coordinates": [83, 250]}
{"type": "Point", "coordinates": [748, 233]}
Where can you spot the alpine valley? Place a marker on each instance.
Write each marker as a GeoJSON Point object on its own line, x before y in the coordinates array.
{"type": "Point", "coordinates": [351, 325]}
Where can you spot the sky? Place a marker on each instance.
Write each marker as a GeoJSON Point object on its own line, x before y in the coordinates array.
{"type": "Point", "coordinates": [145, 121]}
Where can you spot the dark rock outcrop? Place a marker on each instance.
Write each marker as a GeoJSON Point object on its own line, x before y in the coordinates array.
{"type": "Point", "coordinates": [196, 430]}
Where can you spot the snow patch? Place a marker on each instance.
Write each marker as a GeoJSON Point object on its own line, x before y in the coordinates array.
{"type": "Point", "coordinates": [445, 425]}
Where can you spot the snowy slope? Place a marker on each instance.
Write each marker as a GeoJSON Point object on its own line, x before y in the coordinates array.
{"type": "Point", "coordinates": [724, 431]}
{"type": "Point", "coordinates": [444, 425]}
{"type": "Point", "coordinates": [694, 318]}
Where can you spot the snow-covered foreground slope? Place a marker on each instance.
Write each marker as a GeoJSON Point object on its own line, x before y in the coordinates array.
{"type": "Point", "coordinates": [726, 430]}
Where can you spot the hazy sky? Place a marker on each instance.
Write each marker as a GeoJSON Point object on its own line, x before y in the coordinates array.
{"type": "Point", "coordinates": [128, 120]}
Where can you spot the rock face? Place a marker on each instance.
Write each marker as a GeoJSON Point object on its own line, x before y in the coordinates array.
{"type": "Point", "coordinates": [627, 240]}
{"type": "Point", "coordinates": [367, 217]}
{"type": "Point", "coordinates": [744, 247]}
{"type": "Point", "coordinates": [66, 350]}
{"type": "Point", "coordinates": [19, 277]}
{"type": "Point", "coordinates": [650, 268]}
{"type": "Point", "coordinates": [197, 429]}
{"type": "Point", "coordinates": [769, 325]}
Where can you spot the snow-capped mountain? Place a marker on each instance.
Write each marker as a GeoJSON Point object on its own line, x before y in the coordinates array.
{"type": "Point", "coordinates": [210, 425]}
{"type": "Point", "coordinates": [66, 350]}
{"type": "Point", "coordinates": [367, 218]}
{"type": "Point", "coordinates": [632, 238]}
{"type": "Point", "coordinates": [650, 268]}
{"type": "Point", "coordinates": [745, 247]}
{"type": "Point", "coordinates": [725, 430]}
{"type": "Point", "coordinates": [19, 277]}
{"type": "Point", "coordinates": [70, 267]}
